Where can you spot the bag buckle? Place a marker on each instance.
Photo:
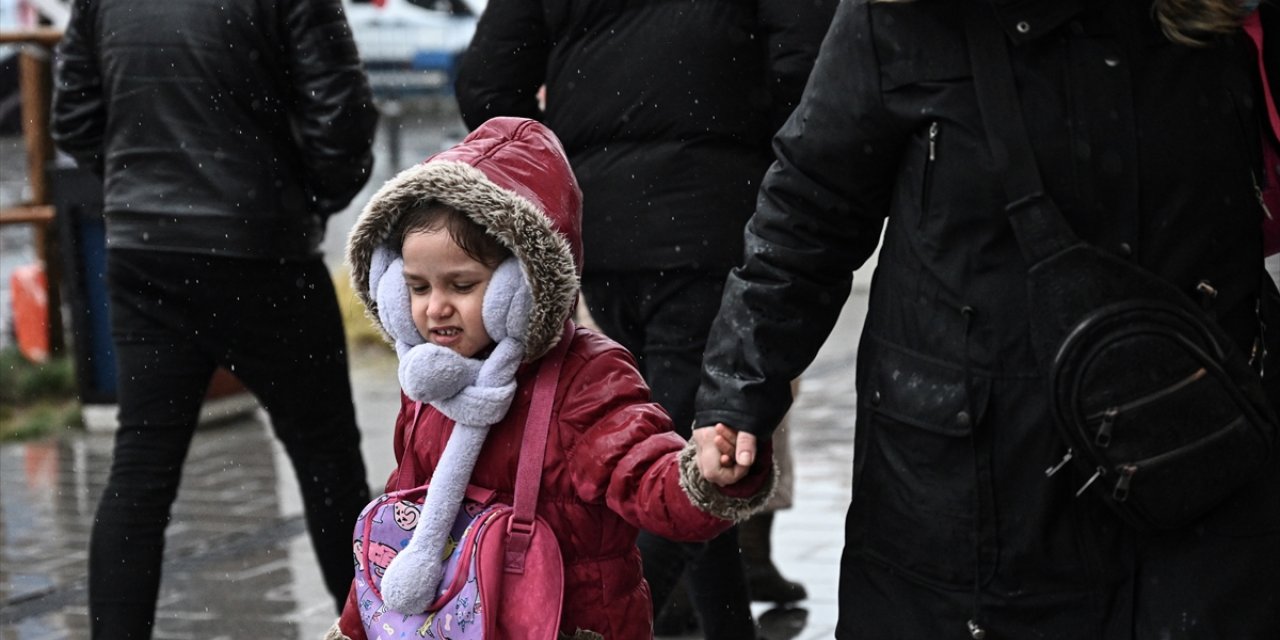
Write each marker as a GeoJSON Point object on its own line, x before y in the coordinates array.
{"type": "Point", "coordinates": [519, 536]}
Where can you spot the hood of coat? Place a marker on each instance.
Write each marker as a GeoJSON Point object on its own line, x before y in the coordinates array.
{"type": "Point", "coordinates": [512, 177]}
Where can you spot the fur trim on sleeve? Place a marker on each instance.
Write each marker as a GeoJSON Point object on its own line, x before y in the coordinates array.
{"type": "Point", "coordinates": [580, 634]}
{"type": "Point", "coordinates": [334, 633]}
{"type": "Point", "coordinates": [706, 495]}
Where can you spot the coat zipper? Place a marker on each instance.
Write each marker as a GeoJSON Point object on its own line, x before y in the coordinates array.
{"type": "Point", "coordinates": [928, 169]}
{"type": "Point", "coordinates": [1108, 416]}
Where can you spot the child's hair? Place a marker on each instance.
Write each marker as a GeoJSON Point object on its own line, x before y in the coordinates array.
{"type": "Point", "coordinates": [474, 240]}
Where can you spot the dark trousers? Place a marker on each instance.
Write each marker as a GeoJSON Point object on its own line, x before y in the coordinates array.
{"type": "Point", "coordinates": [175, 318]}
{"type": "Point", "coordinates": [664, 318]}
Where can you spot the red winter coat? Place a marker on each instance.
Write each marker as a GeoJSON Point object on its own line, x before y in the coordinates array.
{"type": "Point", "coordinates": [611, 469]}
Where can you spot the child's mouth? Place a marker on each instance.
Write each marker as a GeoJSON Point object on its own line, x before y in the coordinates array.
{"type": "Point", "coordinates": [446, 336]}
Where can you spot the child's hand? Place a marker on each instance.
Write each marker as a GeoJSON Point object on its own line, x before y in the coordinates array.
{"type": "Point", "coordinates": [724, 454]}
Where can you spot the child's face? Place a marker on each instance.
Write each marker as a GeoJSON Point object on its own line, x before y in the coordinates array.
{"type": "Point", "coordinates": [446, 290]}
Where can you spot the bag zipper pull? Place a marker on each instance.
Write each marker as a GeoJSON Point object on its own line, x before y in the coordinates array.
{"type": "Point", "coordinates": [1121, 492]}
{"type": "Point", "coordinates": [1096, 474]}
{"type": "Point", "coordinates": [1103, 437]}
{"type": "Point", "coordinates": [975, 630]}
{"type": "Point", "coordinates": [1257, 191]}
{"type": "Point", "coordinates": [933, 143]}
{"type": "Point", "coordinates": [1061, 463]}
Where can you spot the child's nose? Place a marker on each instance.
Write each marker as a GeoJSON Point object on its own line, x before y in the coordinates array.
{"type": "Point", "coordinates": [439, 305]}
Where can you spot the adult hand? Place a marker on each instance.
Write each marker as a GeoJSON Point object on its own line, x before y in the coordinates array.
{"type": "Point", "coordinates": [724, 454]}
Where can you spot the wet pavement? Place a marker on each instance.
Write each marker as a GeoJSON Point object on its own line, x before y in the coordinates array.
{"type": "Point", "coordinates": [238, 562]}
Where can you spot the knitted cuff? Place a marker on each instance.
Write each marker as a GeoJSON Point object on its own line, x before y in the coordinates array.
{"type": "Point", "coordinates": [706, 496]}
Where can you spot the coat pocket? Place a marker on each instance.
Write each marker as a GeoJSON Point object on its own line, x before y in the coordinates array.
{"type": "Point", "coordinates": [923, 500]}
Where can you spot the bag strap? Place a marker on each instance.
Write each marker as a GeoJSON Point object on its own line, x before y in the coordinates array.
{"type": "Point", "coordinates": [1038, 225]}
{"type": "Point", "coordinates": [533, 449]}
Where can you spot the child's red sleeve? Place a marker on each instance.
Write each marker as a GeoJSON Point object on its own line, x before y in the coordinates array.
{"type": "Point", "coordinates": [349, 622]}
{"type": "Point", "coordinates": [627, 455]}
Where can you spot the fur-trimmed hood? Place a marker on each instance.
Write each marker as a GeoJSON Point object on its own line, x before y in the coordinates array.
{"type": "Point", "coordinates": [512, 177]}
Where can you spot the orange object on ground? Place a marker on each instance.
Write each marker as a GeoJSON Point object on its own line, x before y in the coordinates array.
{"type": "Point", "coordinates": [31, 311]}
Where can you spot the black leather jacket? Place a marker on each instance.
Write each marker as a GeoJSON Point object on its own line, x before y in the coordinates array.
{"type": "Point", "coordinates": [229, 128]}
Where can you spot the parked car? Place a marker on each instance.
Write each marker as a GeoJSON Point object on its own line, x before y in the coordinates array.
{"type": "Point", "coordinates": [410, 47]}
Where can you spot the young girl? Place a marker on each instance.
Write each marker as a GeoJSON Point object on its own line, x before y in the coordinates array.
{"type": "Point", "coordinates": [469, 263]}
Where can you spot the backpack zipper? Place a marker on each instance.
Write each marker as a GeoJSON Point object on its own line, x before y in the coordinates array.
{"type": "Point", "coordinates": [1127, 471]}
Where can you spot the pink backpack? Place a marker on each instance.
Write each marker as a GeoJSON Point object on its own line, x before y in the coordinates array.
{"type": "Point", "coordinates": [504, 578]}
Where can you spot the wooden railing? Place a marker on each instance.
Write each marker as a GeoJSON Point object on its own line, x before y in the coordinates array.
{"type": "Point", "coordinates": [36, 86]}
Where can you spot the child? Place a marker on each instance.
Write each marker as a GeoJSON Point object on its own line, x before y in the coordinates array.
{"type": "Point", "coordinates": [469, 263]}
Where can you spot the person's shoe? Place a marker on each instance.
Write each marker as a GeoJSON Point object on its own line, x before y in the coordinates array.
{"type": "Point", "coordinates": [783, 623]}
{"type": "Point", "coordinates": [764, 581]}
{"type": "Point", "coordinates": [767, 585]}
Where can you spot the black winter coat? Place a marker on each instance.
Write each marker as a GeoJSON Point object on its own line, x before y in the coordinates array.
{"type": "Point", "coordinates": [231, 128]}
{"type": "Point", "coordinates": [667, 129]}
{"type": "Point", "coordinates": [1149, 148]}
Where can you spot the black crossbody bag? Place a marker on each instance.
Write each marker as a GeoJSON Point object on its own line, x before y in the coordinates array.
{"type": "Point", "coordinates": [1160, 412]}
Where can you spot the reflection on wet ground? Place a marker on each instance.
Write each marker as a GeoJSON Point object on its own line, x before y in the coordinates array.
{"type": "Point", "coordinates": [228, 562]}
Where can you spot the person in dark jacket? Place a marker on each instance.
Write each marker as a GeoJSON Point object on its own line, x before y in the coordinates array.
{"type": "Point", "coordinates": [1143, 118]}
{"type": "Point", "coordinates": [666, 110]}
{"type": "Point", "coordinates": [225, 134]}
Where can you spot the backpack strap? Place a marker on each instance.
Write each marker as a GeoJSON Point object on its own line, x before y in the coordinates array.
{"type": "Point", "coordinates": [533, 449]}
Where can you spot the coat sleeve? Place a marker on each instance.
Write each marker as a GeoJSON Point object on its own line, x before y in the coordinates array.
{"type": "Point", "coordinates": [626, 455]}
{"type": "Point", "coordinates": [505, 64]}
{"type": "Point", "coordinates": [332, 108]}
{"type": "Point", "coordinates": [818, 217]}
{"type": "Point", "coordinates": [792, 32]}
{"type": "Point", "coordinates": [79, 117]}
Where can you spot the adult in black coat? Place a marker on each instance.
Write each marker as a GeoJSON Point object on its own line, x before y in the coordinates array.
{"type": "Point", "coordinates": [1147, 144]}
{"type": "Point", "coordinates": [225, 134]}
{"type": "Point", "coordinates": [666, 109]}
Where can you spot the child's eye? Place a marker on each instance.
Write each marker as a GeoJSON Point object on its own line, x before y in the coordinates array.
{"type": "Point", "coordinates": [465, 287]}
{"type": "Point", "coordinates": [419, 288]}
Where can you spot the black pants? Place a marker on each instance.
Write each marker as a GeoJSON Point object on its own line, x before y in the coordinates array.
{"type": "Point", "coordinates": [664, 318]}
{"type": "Point", "coordinates": [175, 318]}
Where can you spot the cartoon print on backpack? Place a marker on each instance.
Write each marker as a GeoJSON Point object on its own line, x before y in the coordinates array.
{"type": "Point", "coordinates": [407, 515]}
